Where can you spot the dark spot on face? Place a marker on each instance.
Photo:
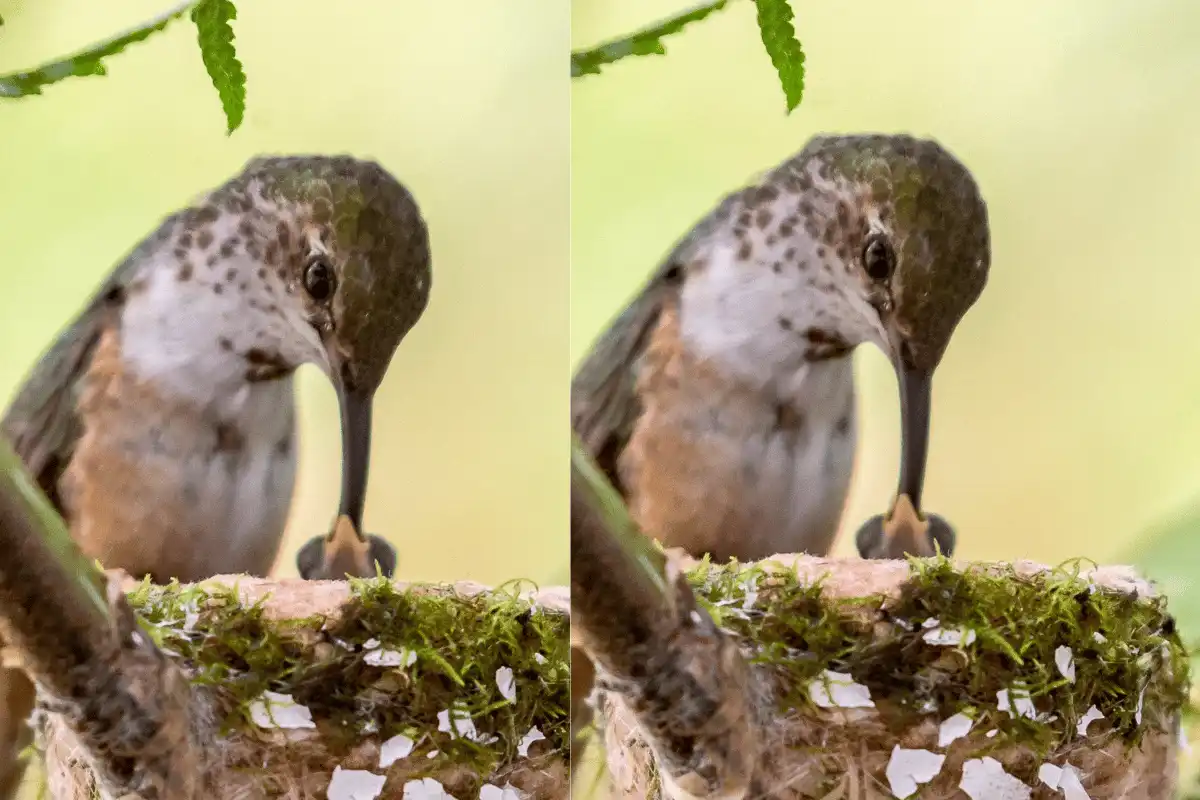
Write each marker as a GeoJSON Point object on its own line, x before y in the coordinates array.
{"type": "Point", "coordinates": [212, 260]}
{"type": "Point", "coordinates": [763, 218]}
{"type": "Point", "coordinates": [284, 233]}
{"type": "Point", "coordinates": [137, 287]}
{"type": "Point", "coordinates": [283, 448]}
{"type": "Point", "coordinates": [777, 267]}
{"type": "Point", "coordinates": [806, 209]}
{"type": "Point", "coordinates": [243, 286]}
{"type": "Point", "coordinates": [829, 235]}
{"type": "Point", "coordinates": [185, 239]}
{"type": "Point", "coordinates": [265, 366]}
{"type": "Point", "coordinates": [181, 253]}
{"type": "Point", "coordinates": [185, 271]}
{"type": "Point", "coordinates": [785, 323]}
{"type": "Point", "coordinates": [271, 255]}
{"type": "Point", "coordinates": [218, 288]}
{"type": "Point", "coordinates": [253, 250]}
{"type": "Point", "coordinates": [786, 228]}
{"type": "Point", "coordinates": [230, 274]}
{"type": "Point", "coordinates": [772, 240]}
{"type": "Point", "coordinates": [824, 345]}
{"type": "Point", "coordinates": [245, 228]}
{"type": "Point", "coordinates": [843, 425]}
{"type": "Point", "coordinates": [787, 418]}
{"type": "Point", "coordinates": [225, 344]}
{"type": "Point", "coordinates": [843, 252]}
{"type": "Point", "coordinates": [229, 438]}
{"type": "Point", "coordinates": [744, 252]}
{"type": "Point", "coordinates": [821, 253]}
{"type": "Point", "coordinates": [206, 215]}
{"type": "Point", "coordinates": [204, 239]}
{"type": "Point", "coordinates": [228, 247]}
{"type": "Point", "coordinates": [763, 193]}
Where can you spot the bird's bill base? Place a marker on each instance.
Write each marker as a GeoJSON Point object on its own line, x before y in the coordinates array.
{"type": "Point", "coordinates": [905, 530]}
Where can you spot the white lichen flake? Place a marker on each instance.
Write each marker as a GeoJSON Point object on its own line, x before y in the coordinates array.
{"type": "Point", "coordinates": [1089, 716]}
{"type": "Point", "coordinates": [985, 779]}
{"type": "Point", "coordinates": [275, 710]}
{"type": "Point", "coordinates": [1018, 703]}
{"type": "Point", "coordinates": [839, 690]}
{"type": "Point", "coordinates": [954, 728]}
{"type": "Point", "coordinates": [426, 789]}
{"type": "Point", "coordinates": [539, 658]}
{"type": "Point", "coordinates": [394, 749]}
{"type": "Point", "coordinates": [1064, 659]}
{"type": "Point", "coordinates": [907, 769]}
{"type": "Point", "coordinates": [1064, 779]}
{"type": "Point", "coordinates": [355, 784]}
{"type": "Point", "coordinates": [936, 635]}
{"type": "Point", "coordinates": [382, 657]}
{"type": "Point", "coordinates": [490, 791]}
{"type": "Point", "coordinates": [531, 736]}
{"type": "Point", "coordinates": [457, 722]}
{"type": "Point", "coordinates": [506, 684]}
{"type": "Point", "coordinates": [1137, 712]}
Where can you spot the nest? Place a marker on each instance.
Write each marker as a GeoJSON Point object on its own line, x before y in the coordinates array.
{"type": "Point", "coordinates": [368, 684]}
{"type": "Point", "coordinates": [930, 679]}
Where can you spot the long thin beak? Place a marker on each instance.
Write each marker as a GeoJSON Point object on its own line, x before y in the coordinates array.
{"type": "Point", "coordinates": [356, 454]}
{"type": "Point", "coordinates": [915, 400]}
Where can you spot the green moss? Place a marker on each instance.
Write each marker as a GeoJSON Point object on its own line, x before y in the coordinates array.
{"type": "Point", "coordinates": [459, 642]}
{"type": "Point", "coordinates": [797, 632]}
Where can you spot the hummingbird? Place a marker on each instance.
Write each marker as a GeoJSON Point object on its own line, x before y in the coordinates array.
{"type": "Point", "coordinates": [721, 401]}
{"type": "Point", "coordinates": [161, 423]}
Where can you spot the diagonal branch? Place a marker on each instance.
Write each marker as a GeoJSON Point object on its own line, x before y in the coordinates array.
{"type": "Point", "coordinates": [79, 640]}
{"type": "Point", "coordinates": [647, 41]}
{"type": "Point", "coordinates": [656, 649]}
{"type": "Point", "coordinates": [85, 62]}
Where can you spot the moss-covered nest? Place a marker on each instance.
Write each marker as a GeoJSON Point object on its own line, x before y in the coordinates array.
{"type": "Point", "coordinates": [1026, 665]}
{"type": "Point", "coordinates": [460, 684]}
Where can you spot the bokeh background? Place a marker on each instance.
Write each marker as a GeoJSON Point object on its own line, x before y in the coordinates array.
{"type": "Point", "coordinates": [1067, 409]}
{"type": "Point", "coordinates": [465, 102]}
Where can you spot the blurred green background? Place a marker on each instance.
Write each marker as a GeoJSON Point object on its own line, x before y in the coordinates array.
{"type": "Point", "coordinates": [465, 102]}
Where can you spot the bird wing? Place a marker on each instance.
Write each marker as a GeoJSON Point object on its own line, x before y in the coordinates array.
{"type": "Point", "coordinates": [42, 422]}
{"type": "Point", "coordinates": [604, 401]}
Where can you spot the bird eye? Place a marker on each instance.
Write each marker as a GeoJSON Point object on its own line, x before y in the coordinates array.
{"type": "Point", "coordinates": [319, 280]}
{"type": "Point", "coordinates": [878, 258]}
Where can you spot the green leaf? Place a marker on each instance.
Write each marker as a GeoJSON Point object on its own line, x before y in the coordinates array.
{"type": "Point", "coordinates": [779, 38]}
{"type": "Point", "coordinates": [86, 62]}
{"type": "Point", "coordinates": [645, 42]}
{"type": "Point", "coordinates": [212, 18]}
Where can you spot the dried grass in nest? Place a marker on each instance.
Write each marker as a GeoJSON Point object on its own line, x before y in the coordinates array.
{"type": "Point", "coordinates": [798, 617]}
{"type": "Point", "coordinates": [238, 637]}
